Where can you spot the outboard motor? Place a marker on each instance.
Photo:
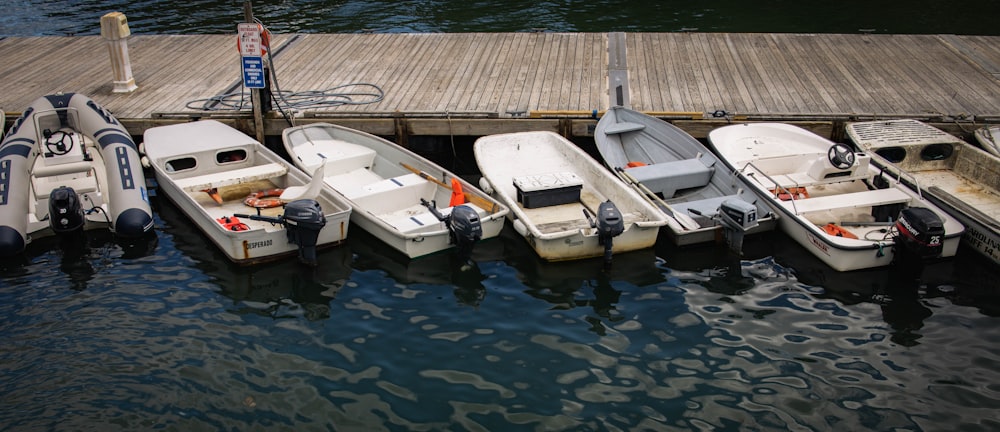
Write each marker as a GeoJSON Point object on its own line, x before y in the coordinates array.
{"type": "Point", "coordinates": [65, 212]}
{"type": "Point", "coordinates": [304, 220]}
{"type": "Point", "coordinates": [609, 224]}
{"type": "Point", "coordinates": [736, 217]}
{"type": "Point", "coordinates": [920, 236]}
{"type": "Point", "coordinates": [464, 227]}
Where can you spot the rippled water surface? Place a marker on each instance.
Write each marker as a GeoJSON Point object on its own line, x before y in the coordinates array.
{"type": "Point", "coordinates": [173, 337]}
{"type": "Point", "coordinates": [60, 17]}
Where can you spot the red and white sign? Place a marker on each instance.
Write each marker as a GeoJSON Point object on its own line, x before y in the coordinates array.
{"type": "Point", "coordinates": [249, 39]}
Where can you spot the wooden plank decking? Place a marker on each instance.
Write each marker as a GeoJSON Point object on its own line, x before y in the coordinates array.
{"type": "Point", "coordinates": [477, 83]}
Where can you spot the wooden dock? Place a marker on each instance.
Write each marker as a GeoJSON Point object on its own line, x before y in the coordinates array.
{"type": "Point", "coordinates": [482, 83]}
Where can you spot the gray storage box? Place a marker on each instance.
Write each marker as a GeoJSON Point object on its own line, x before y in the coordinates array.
{"type": "Point", "coordinates": [543, 190]}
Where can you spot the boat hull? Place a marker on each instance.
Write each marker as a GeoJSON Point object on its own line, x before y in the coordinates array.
{"type": "Point", "coordinates": [187, 158]}
{"type": "Point", "coordinates": [957, 177]}
{"type": "Point", "coordinates": [625, 137]}
{"type": "Point", "coordinates": [775, 156]}
{"type": "Point", "coordinates": [375, 177]}
{"type": "Point", "coordinates": [562, 231]}
{"type": "Point", "coordinates": [69, 140]}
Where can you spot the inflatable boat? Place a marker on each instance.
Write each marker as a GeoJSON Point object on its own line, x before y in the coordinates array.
{"type": "Point", "coordinates": [67, 165]}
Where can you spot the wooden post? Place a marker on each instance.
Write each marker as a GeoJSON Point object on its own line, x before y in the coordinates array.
{"type": "Point", "coordinates": [255, 98]}
{"type": "Point", "coordinates": [114, 30]}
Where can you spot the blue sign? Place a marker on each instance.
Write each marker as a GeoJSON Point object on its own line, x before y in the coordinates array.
{"type": "Point", "coordinates": [253, 72]}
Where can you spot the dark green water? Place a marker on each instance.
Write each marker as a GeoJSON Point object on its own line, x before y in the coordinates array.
{"type": "Point", "coordinates": [169, 336]}
{"type": "Point", "coordinates": [30, 18]}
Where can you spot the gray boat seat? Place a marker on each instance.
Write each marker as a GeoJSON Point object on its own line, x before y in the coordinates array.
{"type": "Point", "coordinates": [667, 178]}
{"type": "Point", "coordinates": [707, 206]}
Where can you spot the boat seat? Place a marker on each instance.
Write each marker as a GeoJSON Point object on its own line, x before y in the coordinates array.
{"type": "Point", "coordinates": [708, 207]}
{"type": "Point", "coordinates": [45, 185]}
{"type": "Point", "coordinates": [848, 200]}
{"type": "Point", "coordinates": [620, 128]}
{"type": "Point", "coordinates": [385, 196]}
{"type": "Point", "coordinates": [668, 177]}
{"type": "Point", "coordinates": [415, 221]}
{"type": "Point", "coordinates": [420, 221]}
{"type": "Point", "coordinates": [231, 177]}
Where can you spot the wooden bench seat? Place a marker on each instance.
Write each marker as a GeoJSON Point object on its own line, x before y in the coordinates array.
{"type": "Point", "coordinates": [231, 177]}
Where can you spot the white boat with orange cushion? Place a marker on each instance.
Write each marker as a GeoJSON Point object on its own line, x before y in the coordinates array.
{"type": "Point", "coordinates": [832, 202]}
{"type": "Point", "coordinates": [254, 205]}
{"type": "Point", "coordinates": [407, 201]}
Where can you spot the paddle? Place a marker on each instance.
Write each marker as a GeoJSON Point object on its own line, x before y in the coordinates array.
{"type": "Point", "coordinates": [479, 201]}
{"type": "Point", "coordinates": [684, 220]}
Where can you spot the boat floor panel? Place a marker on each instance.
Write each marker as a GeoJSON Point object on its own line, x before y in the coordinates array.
{"type": "Point", "coordinates": [976, 195]}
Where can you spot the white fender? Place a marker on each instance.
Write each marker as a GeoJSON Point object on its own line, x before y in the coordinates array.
{"type": "Point", "coordinates": [485, 185]}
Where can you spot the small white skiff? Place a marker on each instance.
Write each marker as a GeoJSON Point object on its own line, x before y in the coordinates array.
{"type": "Point", "coordinates": [563, 201]}
{"type": "Point", "coordinates": [400, 197]}
{"type": "Point", "coordinates": [251, 203]}
{"type": "Point", "coordinates": [958, 177]}
{"type": "Point", "coordinates": [831, 202]}
{"type": "Point", "coordinates": [68, 165]}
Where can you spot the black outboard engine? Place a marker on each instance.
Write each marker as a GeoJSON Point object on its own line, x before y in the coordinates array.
{"type": "Point", "coordinates": [920, 236]}
{"type": "Point", "coordinates": [464, 227]}
{"type": "Point", "coordinates": [65, 211]}
{"type": "Point", "coordinates": [304, 220]}
{"type": "Point", "coordinates": [609, 225]}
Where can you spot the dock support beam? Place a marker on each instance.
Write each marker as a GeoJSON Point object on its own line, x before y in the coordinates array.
{"type": "Point", "coordinates": [114, 30]}
{"type": "Point", "coordinates": [618, 91]}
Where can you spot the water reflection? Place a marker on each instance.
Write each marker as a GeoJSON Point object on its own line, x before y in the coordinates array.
{"type": "Point", "coordinates": [443, 268]}
{"type": "Point", "coordinates": [282, 289]}
{"type": "Point", "coordinates": [79, 255]}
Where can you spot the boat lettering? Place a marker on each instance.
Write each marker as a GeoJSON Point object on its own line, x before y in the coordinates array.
{"type": "Point", "coordinates": [259, 244]}
{"type": "Point", "coordinates": [980, 241]}
{"type": "Point", "coordinates": [819, 245]}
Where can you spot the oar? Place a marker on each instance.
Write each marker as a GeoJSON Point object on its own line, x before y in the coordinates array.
{"type": "Point", "coordinates": [684, 220]}
{"type": "Point", "coordinates": [479, 201]}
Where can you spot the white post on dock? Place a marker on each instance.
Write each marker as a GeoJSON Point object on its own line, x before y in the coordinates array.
{"type": "Point", "coordinates": [114, 30]}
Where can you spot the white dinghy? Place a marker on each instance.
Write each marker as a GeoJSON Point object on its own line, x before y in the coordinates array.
{"type": "Point", "coordinates": [400, 197]}
{"type": "Point", "coordinates": [831, 202]}
{"type": "Point", "coordinates": [563, 202]}
{"type": "Point", "coordinates": [957, 176]}
{"type": "Point", "coordinates": [68, 165]}
{"type": "Point", "coordinates": [251, 203]}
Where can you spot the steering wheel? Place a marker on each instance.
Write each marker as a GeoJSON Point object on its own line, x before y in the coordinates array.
{"type": "Point", "coordinates": [841, 156]}
{"type": "Point", "coordinates": [56, 143]}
